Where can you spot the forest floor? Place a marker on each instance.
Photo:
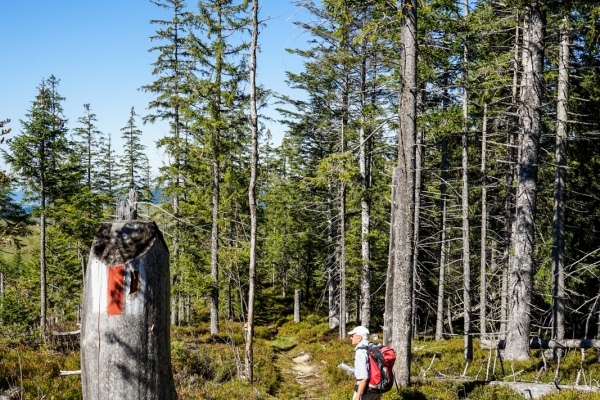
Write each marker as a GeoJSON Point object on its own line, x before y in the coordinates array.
{"type": "Point", "coordinates": [299, 361]}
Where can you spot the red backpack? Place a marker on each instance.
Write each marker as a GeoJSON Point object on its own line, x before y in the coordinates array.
{"type": "Point", "coordinates": [381, 360]}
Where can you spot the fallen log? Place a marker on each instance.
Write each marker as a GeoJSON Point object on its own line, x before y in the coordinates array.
{"type": "Point", "coordinates": [347, 369]}
{"type": "Point", "coordinates": [546, 344]}
{"type": "Point", "coordinates": [67, 373]}
{"type": "Point", "coordinates": [61, 334]}
{"type": "Point", "coordinates": [533, 390]}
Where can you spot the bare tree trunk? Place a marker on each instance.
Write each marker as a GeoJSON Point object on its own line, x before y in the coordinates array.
{"type": "Point", "coordinates": [43, 295]}
{"type": "Point", "coordinates": [520, 283]}
{"type": "Point", "coordinates": [388, 316]}
{"type": "Point", "coordinates": [2, 273]}
{"type": "Point", "coordinates": [342, 194]}
{"type": "Point", "coordinates": [365, 203]}
{"type": "Point", "coordinates": [417, 219]}
{"type": "Point", "coordinates": [509, 209]}
{"type": "Point", "coordinates": [466, 254]}
{"type": "Point", "coordinates": [252, 194]}
{"type": "Point", "coordinates": [332, 271]}
{"type": "Point", "coordinates": [342, 260]}
{"type": "Point", "coordinates": [403, 222]}
{"type": "Point", "coordinates": [439, 325]}
{"type": "Point", "coordinates": [297, 305]}
{"type": "Point", "coordinates": [558, 223]}
{"type": "Point", "coordinates": [483, 258]}
{"type": "Point", "coordinates": [214, 239]}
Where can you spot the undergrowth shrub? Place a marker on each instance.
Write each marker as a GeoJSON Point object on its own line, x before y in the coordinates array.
{"type": "Point", "coordinates": [571, 395]}
{"type": "Point", "coordinates": [494, 392]}
{"type": "Point", "coordinates": [37, 370]}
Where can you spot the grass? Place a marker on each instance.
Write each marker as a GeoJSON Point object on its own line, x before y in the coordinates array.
{"type": "Point", "coordinates": [208, 367]}
{"type": "Point", "coordinates": [29, 244]}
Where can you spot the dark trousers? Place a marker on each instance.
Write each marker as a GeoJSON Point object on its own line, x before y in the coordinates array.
{"type": "Point", "coordinates": [370, 396]}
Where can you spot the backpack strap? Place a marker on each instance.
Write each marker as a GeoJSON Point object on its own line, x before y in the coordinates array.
{"type": "Point", "coordinates": [364, 347]}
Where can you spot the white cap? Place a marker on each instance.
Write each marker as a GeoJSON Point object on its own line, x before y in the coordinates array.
{"type": "Point", "coordinates": [360, 330]}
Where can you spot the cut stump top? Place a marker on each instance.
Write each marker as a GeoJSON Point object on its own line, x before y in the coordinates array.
{"type": "Point", "coordinates": [119, 242]}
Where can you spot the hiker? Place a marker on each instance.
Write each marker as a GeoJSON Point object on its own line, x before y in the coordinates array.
{"type": "Point", "coordinates": [360, 339]}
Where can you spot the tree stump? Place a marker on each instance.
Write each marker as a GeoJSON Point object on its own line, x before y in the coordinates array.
{"type": "Point", "coordinates": [125, 342]}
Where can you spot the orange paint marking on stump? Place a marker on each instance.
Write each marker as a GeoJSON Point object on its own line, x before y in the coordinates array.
{"type": "Point", "coordinates": [116, 276]}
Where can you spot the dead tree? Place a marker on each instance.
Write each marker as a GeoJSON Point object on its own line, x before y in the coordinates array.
{"type": "Point", "coordinates": [521, 270]}
{"type": "Point", "coordinates": [125, 342]}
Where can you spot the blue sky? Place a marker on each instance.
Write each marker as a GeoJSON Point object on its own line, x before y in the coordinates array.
{"type": "Point", "coordinates": [99, 51]}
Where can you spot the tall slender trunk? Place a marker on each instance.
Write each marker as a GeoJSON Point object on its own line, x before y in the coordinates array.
{"type": "Point", "coordinates": [252, 192]}
{"type": "Point", "coordinates": [466, 254]}
{"type": "Point", "coordinates": [332, 271]}
{"type": "Point", "coordinates": [342, 261]}
{"type": "Point", "coordinates": [483, 258]}
{"type": "Point", "coordinates": [509, 201]}
{"type": "Point", "coordinates": [342, 193]}
{"type": "Point", "coordinates": [216, 135]}
{"type": "Point", "coordinates": [439, 325]}
{"type": "Point", "coordinates": [364, 160]}
{"type": "Point", "coordinates": [403, 221]}
{"type": "Point", "coordinates": [417, 220]}
{"type": "Point", "coordinates": [558, 223]}
{"type": "Point", "coordinates": [520, 282]}
{"type": "Point", "coordinates": [43, 255]}
{"type": "Point", "coordinates": [176, 315]}
{"type": "Point", "coordinates": [388, 315]}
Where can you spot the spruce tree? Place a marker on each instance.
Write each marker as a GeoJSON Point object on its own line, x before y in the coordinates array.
{"type": "Point", "coordinates": [218, 106]}
{"type": "Point", "coordinates": [88, 133]}
{"type": "Point", "coordinates": [173, 72]}
{"type": "Point", "coordinates": [108, 179]}
{"type": "Point", "coordinates": [132, 161]}
{"type": "Point", "coordinates": [38, 155]}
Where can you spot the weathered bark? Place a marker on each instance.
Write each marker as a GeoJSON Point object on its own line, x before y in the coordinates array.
{"type": "Point", "coordinates": [1, 292]}
{"type": "Point", "coordinates": [417, 217]}
{"type": "Point", "coordinates": [342, 261]}
{"type": "Point", "coordinates": [297, 305]}
{"type": "Point", "coordinates": [252, 194]}
{"type": "Point", "coordinates": [216, 186]}
{"type": "Point", "coordinates": [466, 253]}
{"type": "Point", "coordinates": [342, 196]}
{"type": "Point", "coordinates": [364, 161]}
{"type": "Point", "coordinates": [598, 332]}
{"type": "Point", "coordinates": [558, 223]}
{"type": "Point", "coordinates": [388, 315]}
{"type": "Point", "coordinates": [403, 221]}
{"type": "Point", "coordinates": [439, 325]}
{"type": "Point", "coordinates": [483, 258]}
{"type": "Point", "coordinates": [509, 209]}
{"type": "Point", "coordinates": [332, 271]}
{"type": "Point", "coordinates": [520, 277]}
{"type": "Point", "coordinates": [125, 342]}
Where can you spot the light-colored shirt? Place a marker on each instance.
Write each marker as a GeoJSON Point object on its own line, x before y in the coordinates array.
{"type": "Point", "coordinates": [361, 360]}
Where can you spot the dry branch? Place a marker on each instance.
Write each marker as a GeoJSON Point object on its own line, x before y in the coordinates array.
{"type": "Point", "coordinates": [547, 344]}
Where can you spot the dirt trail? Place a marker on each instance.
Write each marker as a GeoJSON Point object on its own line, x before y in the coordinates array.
{"type": "Point", "coordinates": [307, 375]}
